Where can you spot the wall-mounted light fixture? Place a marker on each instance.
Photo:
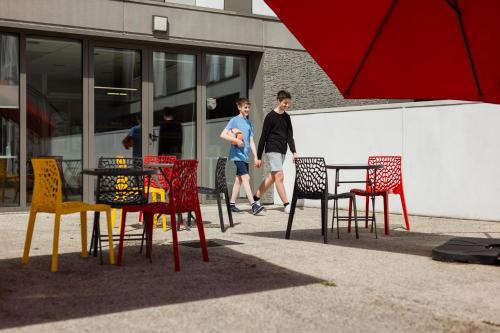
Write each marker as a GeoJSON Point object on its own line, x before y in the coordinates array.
{"type": "Point", "coordinates": [160, 24]}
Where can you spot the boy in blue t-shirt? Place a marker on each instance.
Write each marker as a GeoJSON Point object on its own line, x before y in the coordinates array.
{"type": "Point", "coordinates": [239, 151]}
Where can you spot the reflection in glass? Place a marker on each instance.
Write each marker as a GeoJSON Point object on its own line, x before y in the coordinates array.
{"type": "Point", "coordinates": [226, 82]}
{"type": "Point", "coordinates": [117, 95]}
{"type": "Point", "coordinates": [55, 108]}
{"type": "Point", "coordinates": [9, 120]}
{"type": "Point", "coordinates": [174, 105]}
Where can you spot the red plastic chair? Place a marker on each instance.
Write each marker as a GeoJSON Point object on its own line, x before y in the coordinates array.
{"type": "Point", "coordinates": [183, 197]}
{"type": "Point", "coordinates": [389, 181]}
{"type": "Point", "coordinates": [159, 185]}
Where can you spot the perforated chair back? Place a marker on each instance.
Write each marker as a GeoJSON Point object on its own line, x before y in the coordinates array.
{"type": "Point", "coordinates": [47, 190]}
{"type": "Point", "coordinates": [311, 179]}
{"type": "Point", "coordinates": [120, 190]}
{"type": "Point", "coordinates": [184, 191]}
{"type": "Point", "coordinates": [159, 181]}
{"type": "Point", "coordinates": [220, 175]}
{"type": "Point", "coordinates": [389, 177]}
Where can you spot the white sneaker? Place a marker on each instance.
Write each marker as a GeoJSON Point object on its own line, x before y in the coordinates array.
{"type": "Point", "coordinates": [286, 210]}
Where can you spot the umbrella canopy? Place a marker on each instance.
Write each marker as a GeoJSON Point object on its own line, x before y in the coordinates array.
{"type": "Point", "coordinates": [404, 49]}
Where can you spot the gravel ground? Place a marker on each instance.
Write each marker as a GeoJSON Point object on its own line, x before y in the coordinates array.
{"type": "Point", "coordinates": [255, 281]}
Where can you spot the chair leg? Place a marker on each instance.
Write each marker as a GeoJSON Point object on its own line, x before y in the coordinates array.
{"type": "Point", "coordinates": [333, 216]}
{"type": "Point", "coordinates": [349, 216]}
{"type": "Point", "coordinates": [122, 236]}
{"type": "Point", "coordinates": [324, 221]}
{"type": "Point", "coordinates": [113, 216]}
{"type": "Point", "coordinates": [121, 212]}
{"type": "Point", "coordinates": [353, 200]}
{"type": "Point", "coordinates": [290, 216]}
{"type": "Point", "coordinates": [83, 229]}
{"type": "Point", "coordinates": [149, 220]}
{"type": "Point", "coordinates": [337, 213]}
{"type": "Point", "coordinates": [29, 236]}
{"type": "Point", "coordinates": [110, 238]}
{"type": "Point", "coordinates": [322, 217]}
{"type": "Point", "coordinates": [201, 233]}
{"type": "Point", "coordinates": [93, 239]}
{"type": "Point", "coordinates": [228, 206]}
{"type": "Point", "coordinates": [219, 207]}
{"type": "Point", "coordinates": [154, 198]}
{"type": "Point", "coordinates": [386, 213]}
{"type": "Point", "coordinates": [405, 213]}
{"type": "Point", "coordinates": [175, 242]}
{"type": "Point", "coordinates": [164, 216]}
{"type": "Point", "coordinates": [55, 245]}
{"type": "Point", "coordinates": [367, 210]}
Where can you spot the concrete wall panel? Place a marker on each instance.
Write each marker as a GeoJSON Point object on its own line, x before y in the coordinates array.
{"type": "Point", "coordinates": [450, 153]}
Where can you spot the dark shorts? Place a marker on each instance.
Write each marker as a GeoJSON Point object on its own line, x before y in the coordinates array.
{"type": "Point", "coordinates": [241, 168]}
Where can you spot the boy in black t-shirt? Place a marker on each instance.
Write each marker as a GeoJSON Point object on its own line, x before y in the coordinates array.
{"type": "Point", "coordinates": [277, 133]}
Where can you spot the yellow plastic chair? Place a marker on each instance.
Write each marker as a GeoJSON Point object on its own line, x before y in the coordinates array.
{"type": "Point", "coordinates": [47, 198]}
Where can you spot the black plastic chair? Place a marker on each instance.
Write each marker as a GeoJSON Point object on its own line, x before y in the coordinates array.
{"type": "Point", "coordinates": [311, 182]}
{"type": "Point", "coordinates": [117, 192]}
{"type": "Point", "coordinates": [220, 188]}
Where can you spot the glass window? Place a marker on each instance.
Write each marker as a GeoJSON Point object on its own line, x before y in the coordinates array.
{"type": "Point", "coordinates": [9, 120]}
{"type": "Point", "coordinates": [55, 108]}
{"type": "Point", "coordinates": [226, 82]}
{"type": "Point", "coordinates": [117, 95]}
{"type": "Point", "coordinates": [174, 104]}
{"type": "Point", "coordinates": [218, 4]}
{"type": "Point", "coordinates": [261, 8]}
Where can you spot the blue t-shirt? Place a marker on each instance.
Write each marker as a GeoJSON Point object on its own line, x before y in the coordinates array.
{"type": "Point", "coordinates": [246, 127]}
{"type": "Point", "coordinates": [135, 133]}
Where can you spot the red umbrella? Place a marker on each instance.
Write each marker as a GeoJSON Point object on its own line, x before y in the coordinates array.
{"type": "Point", "coordinates": [404, 49]}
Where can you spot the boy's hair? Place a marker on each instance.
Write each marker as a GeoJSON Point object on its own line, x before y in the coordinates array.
{"type": "Point", "coordinates": [242, 101]}
{"type": "Point", "coordinates": [283, 94]}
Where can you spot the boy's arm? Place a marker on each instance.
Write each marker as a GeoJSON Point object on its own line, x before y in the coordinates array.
{"type": "Point", "coordinates": [266, 128]}
{"type": "Point", "coordinates": [290, 140]}
{"type": "Point", "coordinates": [253, 149]}
{"type": "Point", "coordinates": [225, 135]}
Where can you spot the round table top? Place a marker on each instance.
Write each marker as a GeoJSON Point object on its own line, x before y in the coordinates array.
{"type": "Point", "coordinates": [119, 172]}
{"type": "Point", "coordinates": [358, 166]}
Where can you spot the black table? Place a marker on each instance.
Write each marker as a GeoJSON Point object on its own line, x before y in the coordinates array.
{"type": "Point", "coordinates": [361, 166]}
{"type": "Point", "coordinates": [115, 172]}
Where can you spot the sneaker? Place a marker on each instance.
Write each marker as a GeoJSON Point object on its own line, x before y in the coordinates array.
{"type": "Point", "coordinates": [235, 209]}
{"type": "Point", "coordinates": [286, 210]}
{"type": "Point", "coordinates": [256, 208]}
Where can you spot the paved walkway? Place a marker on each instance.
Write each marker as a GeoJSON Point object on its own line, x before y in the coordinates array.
{"type": "Point", "coordinates": [255, 282]}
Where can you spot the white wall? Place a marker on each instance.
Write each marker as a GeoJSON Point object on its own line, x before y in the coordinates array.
{"type": "Point", "coordinates": [451, 152]}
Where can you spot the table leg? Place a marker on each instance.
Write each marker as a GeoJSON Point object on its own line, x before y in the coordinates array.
{"type": "Point", "coordinates": [374, 221]}
{"type": "Point", "coordinates": [98, 232]}
{"type": "Point", "coordinates": [95, 235]}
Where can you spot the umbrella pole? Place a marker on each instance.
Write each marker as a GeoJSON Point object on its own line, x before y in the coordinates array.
{"type": "Point", "coordinates": [458, 12]}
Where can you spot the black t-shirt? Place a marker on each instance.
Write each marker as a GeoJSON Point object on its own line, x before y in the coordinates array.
{"type": "Point", "coordinates": [277, 132]}
{"type": "Point", "coordinates": [170, 140]}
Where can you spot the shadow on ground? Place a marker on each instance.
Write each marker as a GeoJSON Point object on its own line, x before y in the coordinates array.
{"type": "Point", "coordinates": [399, 241]}
{"type": "Point", "coordinates": [31, 294]}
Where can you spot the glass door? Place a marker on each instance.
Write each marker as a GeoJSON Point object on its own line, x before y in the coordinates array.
{"type": "Point", "coordinates": [9, 121]}
{"type": "Point", "coordinates": [54, 108]}
{"type": "Point", "coordinates": [226, 81]}
{"type": "Point", "coordinates": [117, 92]}
{"type": "Point", "coordinates": [174, 105]}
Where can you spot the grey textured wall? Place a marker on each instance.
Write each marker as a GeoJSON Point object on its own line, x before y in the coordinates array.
{"type": "Point", "coordinates": [297, 72]}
